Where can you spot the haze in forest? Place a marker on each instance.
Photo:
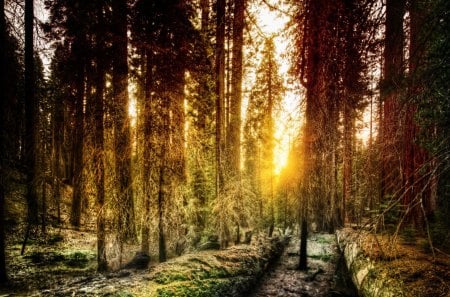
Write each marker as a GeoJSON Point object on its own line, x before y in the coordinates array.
{"type": "Point", "coordinates": [168, 127]}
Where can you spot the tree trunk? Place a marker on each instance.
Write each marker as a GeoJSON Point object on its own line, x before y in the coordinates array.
{"type": "Point", "coordinates": [57, 140]}
{"type": "Point", "coordinates": [393, 76]}
{"type": "Point", "coordinates": [220, 90]}
{"type": "Point", "coordinates": [78, 139]}
{"type": "Point", "coordinates": [302, 264]}
{"type": "Point", "coordinates": [99, 163]}
{"type": "Point", "coordinates": [147, 154]}
{"type": "Point", "coordinates": [161, 200]}
{"type": "Point", "coordinates": [347, 159]}
{"type": "Point", "coordinates": [234, 129]}
{"type": "Point", "coordinates": [122, 138]}
{"type": "Point", "coordinates": [30, 115]}
{"type": "Point", "coordinates": [3, 138]}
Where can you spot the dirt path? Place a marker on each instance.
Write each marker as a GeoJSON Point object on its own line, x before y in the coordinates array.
{"type": "Point", "coordinates": [321, 278]}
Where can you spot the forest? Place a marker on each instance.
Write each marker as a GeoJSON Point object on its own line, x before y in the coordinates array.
{"type": "Point", "coordinates": [202, 147]}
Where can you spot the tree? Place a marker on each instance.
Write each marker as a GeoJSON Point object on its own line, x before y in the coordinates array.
{"type": "Point", "coordinates": [234, 127]}
{"type": "Point", "coordinates": [430, 96]}
{"type": "Point", "coordinates": [220, 99]}
{"type": "Point", "coordinates": [392, 80]}
{"type": "Point", "coordinates": [122, 138]}
{"type": "Point", "coordinates": [200, 137]}
{"type": "Point", "coordinates": [30, 120]}
{"type": "Point", "coordinates": [99, 165]}
{"type": "Point", "coordinates": [3, 106]}
{"type": "Point", "coordinates": [166, 42]}
{"type": "Point", "coordinates": [330, 43]}
{"type": "Point", "coordinates": [259, 131]}
{"type": "Point", "coordinates": [220, 89]}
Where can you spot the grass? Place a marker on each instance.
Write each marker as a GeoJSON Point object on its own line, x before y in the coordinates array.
{"type": "Point", "coordinates": [322, 257]}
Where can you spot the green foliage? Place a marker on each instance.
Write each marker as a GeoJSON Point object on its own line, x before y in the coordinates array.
{"type": "Point", "coordinates": [408, 235]}
{"type": "Point", "coordinates": [55, 238]}
{"type": "Point", "coordinates": [322, 257]}
{"type": "Point", "coordinates": [45, 258]}
{"type": "Point", "coordinates": [439, 230]}
{"type": "Point", "coordinates": [433, 100]}
{"type": "Point", "coordinates": [77, 259]}
{"type": "Point", "coordinates": [391, 213]}
{"type": "Point", "coordinates": [166, 278]}
{"type": "Point", "coordinates": [207, 288]}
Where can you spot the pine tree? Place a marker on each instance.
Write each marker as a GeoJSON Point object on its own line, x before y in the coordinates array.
{"type": "Point", "coordinates": [259, 130]}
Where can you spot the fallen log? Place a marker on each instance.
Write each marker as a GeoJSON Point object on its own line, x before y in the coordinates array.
{"type": "Point", "coordinates": [232, 272]}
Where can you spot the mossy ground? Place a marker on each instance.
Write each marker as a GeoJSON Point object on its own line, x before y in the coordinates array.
{"type": "Point", "coordinates": [402, 262]}
{"type": "Point", "coordinates": [230, 272]}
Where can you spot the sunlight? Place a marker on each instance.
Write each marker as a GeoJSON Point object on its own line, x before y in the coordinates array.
{"type": "Point", "coordinates": [132, 104]}
{"type": "Point", "coordinates": [272, 23]}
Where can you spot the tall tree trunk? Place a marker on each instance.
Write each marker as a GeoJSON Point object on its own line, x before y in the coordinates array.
{"type": "Point", "coordinates": [415, 158]}
{"type": "Point", "coordinates": [220, 90]}
{"type": "Point", "coordinates": [177, 126]}
{"type": "Point", "coordinates": [122, 138]}
{"type": "Point", "coordinates": [3, 141]}
{"type": "Point", "coordinates": [78, 139]}
{"type": "Point", "coordinates": [30, 122]}
{"type": "Point", "coordinates": [393, 76]}
{"type": "Point", "coordinates": [347, 159]}
{"type": "Point", "coordinates": [57, 140]}
{"type": "Point", "coordinates": [99, 163]}
{"type": "Point", "coordinates": [310, 78]}
{"type": "Point", "coordinates": [161, 201]}
{"type": "Point", "coordinates": [147, 154]}
{"type": "Point", "coordinates": [303, 264]}
{"type": "Point", "coordinates": [234, 129]}
{"type": "Point", "coordinates": [270, 143]}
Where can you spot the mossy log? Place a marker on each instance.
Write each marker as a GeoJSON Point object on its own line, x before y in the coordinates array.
{"type": "Point", "coordinates": [230, 272]}
{"type": "Point", "coordinates": [366, 274]}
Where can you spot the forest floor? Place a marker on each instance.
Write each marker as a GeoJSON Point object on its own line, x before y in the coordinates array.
{"type": "Point", "coordinates": [326, 274]}
{"type": "Point", "coordinates": [407, 259]}
{"type": "Point", "coordinates": [65, 265]}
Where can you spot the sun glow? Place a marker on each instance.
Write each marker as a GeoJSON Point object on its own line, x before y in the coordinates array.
{"type": "Point", "coordinates": [132, 104]}
{"type": "Point", "coordinates": [270, 22]}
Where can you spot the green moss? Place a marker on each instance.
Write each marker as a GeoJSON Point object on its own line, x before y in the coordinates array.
{"type": "Point", "coordinates": [322, 257]}
{"type": "Point", "coordinates": [218, 272]}
{"type": "Point", "coordinates": [324, 240]}
{"type": "Point", "coordinates": [78, 259]}
{"type": "Point", "coordinates": [55, 238]}
{"type": "Point", "coordinates": [230, 287]}
{"type": "Point", "coordinates": [45, 258]}
{"type": "Point", "coordinates": [164, 278]}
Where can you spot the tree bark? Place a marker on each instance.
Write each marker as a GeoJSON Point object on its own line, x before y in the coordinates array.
{"type": "Point", "coordinates": [57, 139]}
{"type": "Point", "coordinates": [78, 139]}
{"type": "Point", "coordinates": [347, 159]}
{"type": "Point", "coordinates": [393, 76]}
{"type": "Point", "coordinates": [147, 156]}
{"type": "Point", "coordinates": [122, 138]}
{"type": "Point", "coordinates": [3, 138]}
{"type": "Point", "coordinates": [161, 201]}
{"type": "Point", "coordinates": [30, 115]}
{"type": "Point", "coordinates": [303, 264]}
{"type": "Point", "coordinates": [234, 128]}
{"type": "Point", "coordinates": [220, 90]}
{"type": "Point", "coordinates": [99, 163]}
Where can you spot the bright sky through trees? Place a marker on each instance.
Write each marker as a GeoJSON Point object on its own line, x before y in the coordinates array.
{"type": "Point", "coordinates": [272, 22]}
